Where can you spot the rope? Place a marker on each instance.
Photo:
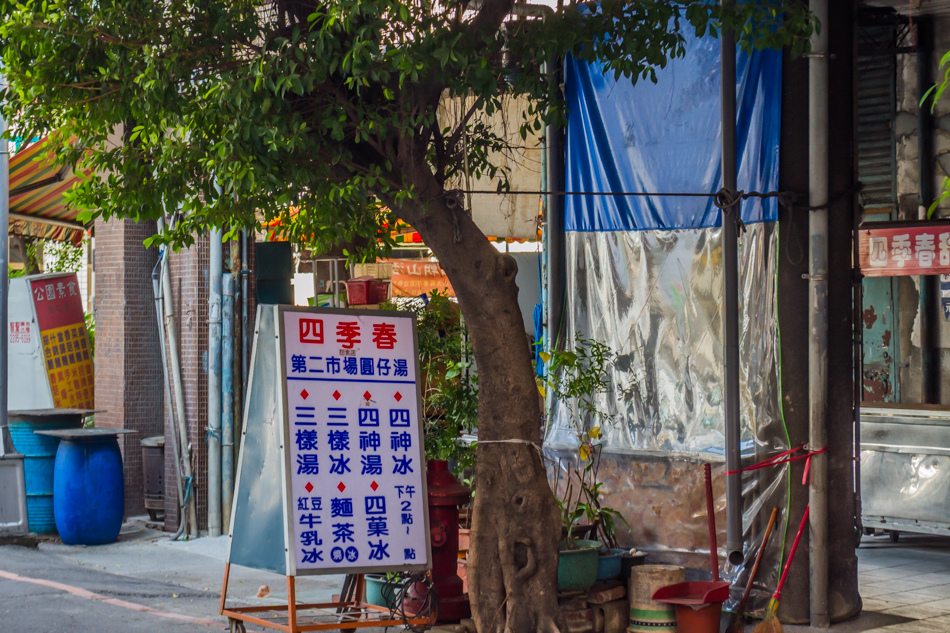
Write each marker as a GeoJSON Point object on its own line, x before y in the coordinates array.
{"type": "Point", "coordinates": [510, 441]}
{"type": "Point", "coordinates": [536, 446]}
{"type": "Point", "coordinates": [782, 195]}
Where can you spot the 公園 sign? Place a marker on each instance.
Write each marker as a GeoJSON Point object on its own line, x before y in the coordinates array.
{"type": "Point", "coordinates": [66, 349]}
{"type": "Point", "coordinates": [912, 249]}
{"type": "Point", "coordinates": [49, 347]}
{"type": "Point", "coordinates": [333, 424]}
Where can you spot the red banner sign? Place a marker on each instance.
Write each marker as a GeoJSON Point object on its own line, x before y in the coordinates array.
{"type": "Point", "coordinates": [892, 251]}
{"type": "Point", "coordinates": [413, 278]}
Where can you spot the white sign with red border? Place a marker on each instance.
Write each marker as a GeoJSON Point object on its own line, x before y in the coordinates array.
{"type": "Point", "coordinates": [352, 428]}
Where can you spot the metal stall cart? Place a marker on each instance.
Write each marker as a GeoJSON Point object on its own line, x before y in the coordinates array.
{"type": "Point", "coordinates": [905, 468]}
{"type": "Point", "coordinates": [904, 448]}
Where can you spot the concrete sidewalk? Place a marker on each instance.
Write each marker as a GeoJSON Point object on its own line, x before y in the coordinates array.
{"type": "Point", "coordinates": [143, 582]}
{"type": "Point", "coordinates": [905, 586]}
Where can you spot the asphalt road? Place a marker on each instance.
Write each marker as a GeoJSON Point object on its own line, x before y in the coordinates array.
{"type": "Point", "coordinates": [96, 601]}
{"type": "Point", "coordinates": [143, 583]}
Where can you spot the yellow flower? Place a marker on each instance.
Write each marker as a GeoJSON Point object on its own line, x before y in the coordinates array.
{"type": "Point", "coordinates": [594, 433]}
{"type": "Point", "coordinates": [584, 452]}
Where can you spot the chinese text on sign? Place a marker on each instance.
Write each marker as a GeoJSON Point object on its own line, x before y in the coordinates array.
{"type": "Point", "coordinates": [355, 444]}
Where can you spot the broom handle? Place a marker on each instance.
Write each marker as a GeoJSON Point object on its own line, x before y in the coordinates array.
{"type": "Point", "coordinates": [791, 555]}
{"type": "Point", "coordinates": [711, 520]}
{"type": "Point", "coordinates": [758, 557]}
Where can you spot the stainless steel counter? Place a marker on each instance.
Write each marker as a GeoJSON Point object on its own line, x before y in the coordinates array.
{"type": "Point", "coordinates": [905, 468]}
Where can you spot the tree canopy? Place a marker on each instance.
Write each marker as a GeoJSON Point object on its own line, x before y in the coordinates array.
{"type": "Point", "coordinates": [239, 112]}
{"type": "Point", "coordinates": [316, 106]}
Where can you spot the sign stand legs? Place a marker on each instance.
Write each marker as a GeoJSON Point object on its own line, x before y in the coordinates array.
{"type": "Point", "coordinates": [296, 618]}
{"type": "Point", "coordinates": [292, 603]}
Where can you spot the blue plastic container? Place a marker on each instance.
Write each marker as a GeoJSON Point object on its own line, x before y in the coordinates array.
{"type": "Point", "coordinates": [89, 492]}
{"type": "Point", "coordinates": [608, 565]}
{"type": "Point", "coordinates": [39, 455]}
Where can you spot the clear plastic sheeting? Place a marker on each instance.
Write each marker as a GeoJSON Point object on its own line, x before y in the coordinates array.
{"type": "Point", "coordinates": [655, 298]}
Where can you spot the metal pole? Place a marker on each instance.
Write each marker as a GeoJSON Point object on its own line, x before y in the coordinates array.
{"type": "Point", "coordinates": [171, 338]}
{"type": "Point", "coordinates": [554, 166]}
{"type": "Point", "coordinates": [927, 300]}
{"type": "Point", "coordinates": [818, 315]}
{"type": "Point", "coordinates": [215, 266]}
{"type": "Point", "coordinates": [244, 329]}
{"type": "Point", "coordinates": [227, 398]}
{"type": "Point", "coordinates": [13, 519]}
{"type": "Point", "coordinates": [6, 443]}
{"type": "Point", "coordinates": [730, 294]}
{"type": "Point", "coordinates": [159, 311]}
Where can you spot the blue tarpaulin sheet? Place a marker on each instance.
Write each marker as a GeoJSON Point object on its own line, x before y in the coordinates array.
{"type": "Point", "coordinates": [665, 137]}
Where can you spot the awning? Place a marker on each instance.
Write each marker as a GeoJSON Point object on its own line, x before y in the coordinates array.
{"type": "Point", "coordinates": [37, 206]}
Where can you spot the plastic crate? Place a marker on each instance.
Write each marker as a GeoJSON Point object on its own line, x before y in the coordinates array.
{"type": "Point", "coordinates": [360, 291]}
{"type": "Point", "coordinates": [381, 289]}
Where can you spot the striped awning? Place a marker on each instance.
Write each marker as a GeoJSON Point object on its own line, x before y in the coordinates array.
{"type": "Point", "coordinates": [37, 206]}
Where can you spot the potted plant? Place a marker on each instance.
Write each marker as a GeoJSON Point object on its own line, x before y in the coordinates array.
{"type": "Point", "coordinates": [577, 559]}
{"type": "Point", "coordinates": [602, 517]}
{"type": "Point", "coordinates": [449, 393]}
{"type": "Point", "coordinates": [576, 377]}
{"type": "Point", "coordinates": [382, 589]}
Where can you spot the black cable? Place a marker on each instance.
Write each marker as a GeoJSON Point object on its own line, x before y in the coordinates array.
{"type": "Point", "coordinates": [429, 608]}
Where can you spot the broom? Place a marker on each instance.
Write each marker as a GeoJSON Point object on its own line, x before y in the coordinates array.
{"type": "Point", "coordinates": [771, 624]}
{"type": "Point", "coordinates": [735, 622]}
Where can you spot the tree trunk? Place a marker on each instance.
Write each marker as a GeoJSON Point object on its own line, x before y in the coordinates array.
{"type": "Point", "coordinates": [516, 527]}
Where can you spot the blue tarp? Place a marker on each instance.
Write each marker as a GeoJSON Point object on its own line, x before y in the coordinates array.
{"type": "Point", "coordinates": [665, 137]}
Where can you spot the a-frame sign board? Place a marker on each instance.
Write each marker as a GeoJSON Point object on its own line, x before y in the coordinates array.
{"type": "Point", "coordinates": [331, 475]}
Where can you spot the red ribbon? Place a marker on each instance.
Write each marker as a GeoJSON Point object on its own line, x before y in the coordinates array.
{"type": "Point", "coordinates": [776, 460]}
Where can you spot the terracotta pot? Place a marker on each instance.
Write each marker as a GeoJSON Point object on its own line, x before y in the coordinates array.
{"type": "Point", "coordinates": [465, 540]}
{"type": "Point", "coordinates": [580, 531]}
{"type": "Point", "coordinates": [465, 518]}
{"type": "Point", "coordinates": [463, 573]}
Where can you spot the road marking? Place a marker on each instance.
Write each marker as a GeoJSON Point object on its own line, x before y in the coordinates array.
{"type": "Point", "coordinates": [91, 595]}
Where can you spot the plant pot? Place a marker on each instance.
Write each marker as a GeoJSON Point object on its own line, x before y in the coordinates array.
{"type": "Point", "coordinates": [608, 564]}
{"type": "Point", "coordinates": [704, 619]}
{"type": "Point", "coordinates": [577, 568]}
{"type": "Point", "coordinates": [580, 531]}
{"type": "Point", "coordinates": [465, 540]}
{"type": "Point", "coordinates": [463, 573]}
{"type": "Point", "coordinates": [380, 591]}
{"type": "Point", "coordinates": [628, 562]}
{"type": "Point", "coordinates": [465, 518]}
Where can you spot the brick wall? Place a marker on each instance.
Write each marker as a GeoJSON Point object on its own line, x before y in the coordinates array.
{"type": "Point", "coordinates": [128, 362]}
{"type": "Point", "coordinates": [129, 380]}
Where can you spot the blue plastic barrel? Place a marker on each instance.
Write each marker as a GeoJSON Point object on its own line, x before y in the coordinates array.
{"type": "Point", "coordinates": [89, 492]}
{"type": "Point", "coordinates": [39, 454]}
